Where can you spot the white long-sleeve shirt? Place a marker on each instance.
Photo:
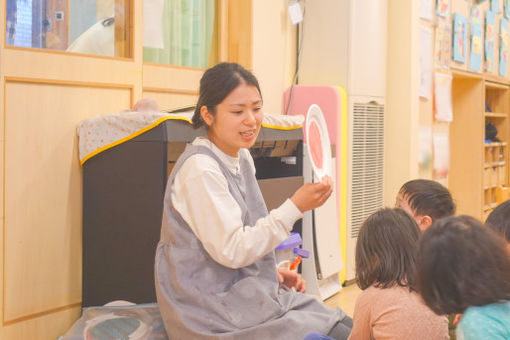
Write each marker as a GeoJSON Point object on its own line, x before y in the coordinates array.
{"type": "Point", "coordinates": [200, 194]}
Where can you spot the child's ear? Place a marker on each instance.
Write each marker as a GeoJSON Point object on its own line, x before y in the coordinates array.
{"type": "Point", "coordinates": [207, 116]}
{"type": "Point", "coordinates": [424, 222]}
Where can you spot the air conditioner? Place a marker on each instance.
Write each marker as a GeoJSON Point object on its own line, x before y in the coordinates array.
{"type": "Point", "coordinates": [344, 44]}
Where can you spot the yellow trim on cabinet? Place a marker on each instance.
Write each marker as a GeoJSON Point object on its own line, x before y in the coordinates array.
{"type": "Point", "coordinates": [133, 135]}
{"type": "Point", "coordinates": [344, 159]}
{"type": "Point", "coordinates": [159, 121]}
{"type": "Point", "coordinates": [275, 127]}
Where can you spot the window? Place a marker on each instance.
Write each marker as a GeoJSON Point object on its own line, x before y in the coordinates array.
{"type": "Point", "coordinates": [80, 26]}
{"type": "Point", "coordinates": [180, 32]}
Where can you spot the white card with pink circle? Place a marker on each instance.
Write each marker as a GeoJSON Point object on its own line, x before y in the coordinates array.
{"type": "Point", "coordinates": [317, 142]}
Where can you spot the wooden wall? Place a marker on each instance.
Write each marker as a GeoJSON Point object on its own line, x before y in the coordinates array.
{"type": "Point", "coordinates": [402, 110]}
{"type": "Point", "coordinates": [44, 96]}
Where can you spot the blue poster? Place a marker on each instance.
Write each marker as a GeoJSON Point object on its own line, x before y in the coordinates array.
{"type": "Point", "coordinates": [490, 40]}
{"type": "Point", "coordinates": [495, 6]}
{"type": "Point", "coordinates": [459, 37]}
{"type": "Point", "coordinates": [503, 47]}
{"type": "Point", "coordinates": [475, 57]}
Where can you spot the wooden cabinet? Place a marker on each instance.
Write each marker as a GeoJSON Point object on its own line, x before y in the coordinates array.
{"type": "Point", "coordinates": [495, 166]}
{"type": "Point", "coordinates": [478, 166]}
{"type": "Point", "coordinates": [494, 173]}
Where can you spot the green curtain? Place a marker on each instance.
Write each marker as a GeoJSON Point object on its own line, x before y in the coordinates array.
{"type": "Point", "coordinates": [188, 27]}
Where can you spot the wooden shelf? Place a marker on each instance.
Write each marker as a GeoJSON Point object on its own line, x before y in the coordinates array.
{"type": "Point", "coordinates": [493, 144]}
{"type": "Point", "coordinates": [490, 206]}
{"type": "Point", "coordinates": [496, 85]}
{"type": "Point", "coordinates": [495, 115]}
{"type": "Point", "coordinates": [461, 73]}
{"type": "Point", "coordinates": [473, 166]}
{"type": "Point", "coordinates": [494, 164]}
{"type": "Point", "coordinates": [495, 79]}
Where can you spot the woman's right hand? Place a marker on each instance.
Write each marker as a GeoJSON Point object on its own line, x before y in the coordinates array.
{"type": "Point", "coordinates": [312, 195]}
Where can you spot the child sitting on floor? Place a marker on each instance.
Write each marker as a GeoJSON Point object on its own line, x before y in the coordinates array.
{"type": "Point", "coordinates": [389, 307]}
{"type": "Point", "coordinates": [426, 201]}
{"type": "Point", "coordinates": [462, 267]}
{"type": "Point", "coordinates": [499, 221]}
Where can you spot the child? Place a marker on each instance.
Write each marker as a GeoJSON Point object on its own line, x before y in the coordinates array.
{"type": "Point", "coordinates": [389, 307]}
{"type": "Point", "coordinates": [215, 266]}
{"type": "Point", "coordinates": [499, 221]}
{"type": "Point", "coordinates": [462, 267]}
{"type": "Point", "coordinates": [426, 201]}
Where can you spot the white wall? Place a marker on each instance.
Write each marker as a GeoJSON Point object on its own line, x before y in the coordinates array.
{"type": "Point", "coordinates": [402, 106]}
{"type": "Point", "coordinates": [274, 51]}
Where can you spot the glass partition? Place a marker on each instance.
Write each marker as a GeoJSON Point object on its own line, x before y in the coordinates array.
{"type": "Point", "coordinates": [98, 27]}
{"type": "Point", "coordinates": [180, 32]}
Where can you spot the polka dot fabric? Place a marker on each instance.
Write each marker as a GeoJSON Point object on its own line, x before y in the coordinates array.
{"type": "Point", "coordinates": [100, 133]}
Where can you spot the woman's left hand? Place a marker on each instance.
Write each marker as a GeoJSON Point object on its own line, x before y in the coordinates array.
{"type": "Point", "coordinates": [291, 279]}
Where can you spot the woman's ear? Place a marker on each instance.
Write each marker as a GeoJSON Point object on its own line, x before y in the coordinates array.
{"type": "Point", "coordinates": [424, 222]}
{"type": "Point", "coordinates": [207, 116]}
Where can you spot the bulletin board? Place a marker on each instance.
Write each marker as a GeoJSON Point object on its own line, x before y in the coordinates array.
{"type": "Point", "coordinates": [468, 36]}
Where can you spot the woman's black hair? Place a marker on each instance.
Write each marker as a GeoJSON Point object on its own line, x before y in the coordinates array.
{"type": "Point", "coordinates": [386, 250]}
{"type": "Point", "coordinates": [461, 263]}
{"type": "Point", "coordinates": [499, 220]}
{"type": "Point", "coordinates": [217, 83]}
{"type": "Point", "coordinates": [428, 198]}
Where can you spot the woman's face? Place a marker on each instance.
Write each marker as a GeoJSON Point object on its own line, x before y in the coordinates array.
{"type": "Point", "coordinates": [237, 121]}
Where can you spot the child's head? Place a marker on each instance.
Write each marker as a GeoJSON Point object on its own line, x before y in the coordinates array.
{"type": "Point", "coordinates": [217, 83]}
{"type": "Point", "coordinates": [386, 250]}
{"type": "Point", "coordinates": [461, 263]}
{"type": "Point", "coordinates": [499, 220]}
{"type": "Point", "coordinates": [426, 201]}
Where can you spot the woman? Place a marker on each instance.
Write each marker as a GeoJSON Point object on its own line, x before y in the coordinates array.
{"type": "Point", "coordinates": [215, 268]}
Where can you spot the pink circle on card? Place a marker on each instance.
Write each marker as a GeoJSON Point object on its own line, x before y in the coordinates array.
{"type": "Point", "coordinates": [317, 142]}
{"type": "Point", "coordinates": [314, 138]}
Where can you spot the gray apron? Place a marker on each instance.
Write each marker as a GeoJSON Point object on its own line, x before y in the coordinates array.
{"type": "Point", "coordinates": [202, 299]}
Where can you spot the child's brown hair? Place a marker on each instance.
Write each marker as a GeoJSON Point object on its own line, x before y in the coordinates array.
{"type": "Point", "coordinates": [386, 250]}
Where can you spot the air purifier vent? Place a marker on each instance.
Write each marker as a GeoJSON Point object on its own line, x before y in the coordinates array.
{"type": "Point", "coordinates": [367, 163]}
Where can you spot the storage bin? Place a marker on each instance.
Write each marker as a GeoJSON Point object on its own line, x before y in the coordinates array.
{"type": "Point", "coordinates": [489, 154]}
{"type": "Point", "coordinates": [487, 177]}
{"type": "Point", "coordinates": [502, 174]}
{"type": "Point", "coordinates": [501, 153]}
{"type": "Point", "coordinates": [494, 199]}
{"type": "Point", "coordinates": [494, 176]}
{"type": "Point", "coordinates": [487, 199]}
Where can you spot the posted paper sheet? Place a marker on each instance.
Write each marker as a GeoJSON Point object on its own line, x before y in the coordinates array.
{"type": "Point", "coordinates": [443, 97]}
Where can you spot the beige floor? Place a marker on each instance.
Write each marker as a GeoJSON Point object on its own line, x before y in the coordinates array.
{"type": "Point", "coordinates": [345, 299]}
